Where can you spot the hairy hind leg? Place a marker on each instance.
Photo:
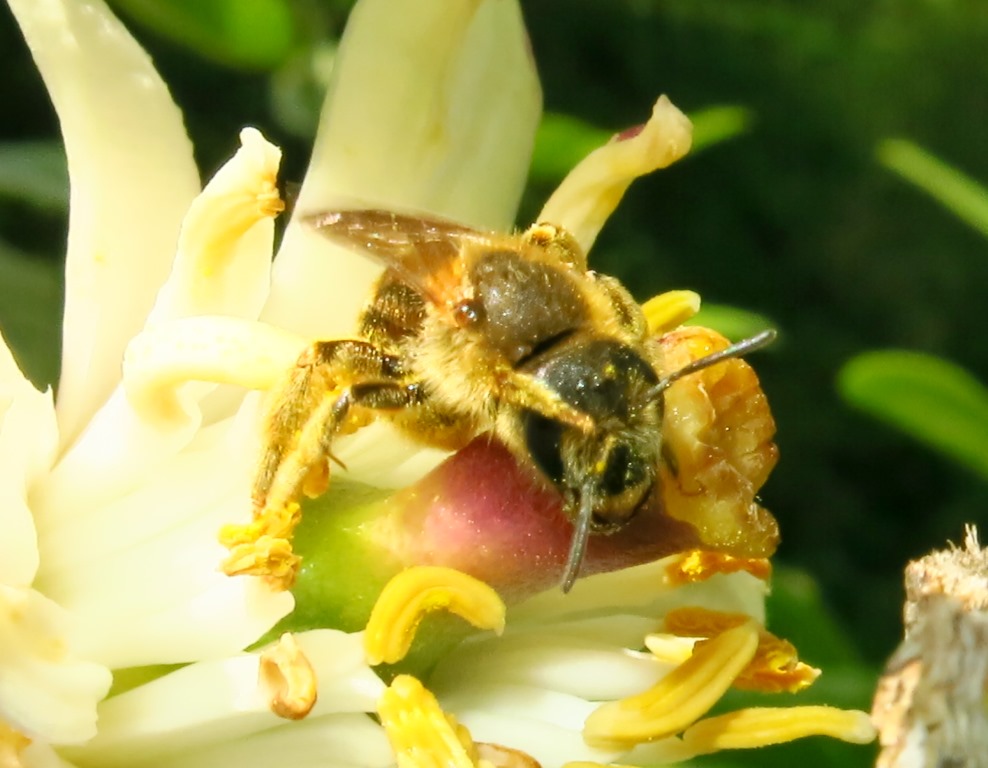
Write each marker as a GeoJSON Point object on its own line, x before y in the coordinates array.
{"type": "Point", "coordinates": [333, 389]}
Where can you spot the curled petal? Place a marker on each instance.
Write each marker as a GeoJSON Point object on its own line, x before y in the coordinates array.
{"type": "Point", "coordinates": [444, 123]}
{"type": "Point", "coordinates": [592, 190]}
{"type": "Point", "coordinates": [156, 413]}
{"type": "Point", "coordinates": [224, 250]}
{"type": "Point", "coordinates": [133, 177]}
{"type": "Point", "coordinates": [46, 691]}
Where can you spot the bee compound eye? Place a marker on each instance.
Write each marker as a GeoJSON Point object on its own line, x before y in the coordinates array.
{"type": "Point", "coordinates": [543, 438]}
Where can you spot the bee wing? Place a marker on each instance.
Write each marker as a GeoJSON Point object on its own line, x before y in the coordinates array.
{"type": "Point", "coordinates": [422, 252]}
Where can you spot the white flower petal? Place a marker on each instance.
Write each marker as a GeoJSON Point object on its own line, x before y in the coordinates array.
{"type": "Point", "coordinates": [551, 745]}
{"type": "Point", "coordinates": [432, 108]}
{"type": "Point", "coordinates": [148, 582]}
{"type": "Point", "coordinates": [223, 264]}
{"type": "Point", "coordinates": [40, 755]}
{"type": "Point", "coordinates": [133, 178]}
{"type": "Point", "coordinates": [592, 190]}
{"type": "Point", "coordinates": [46, 692]}
{"type": "Point", "coordinates": [135, 434]}
{"type": "Point", "coordinates": [215, 703]}
{"type": "Point", "coordinates": [343, 741]}
{"type": "Point", "coordinates": [28, 439]}
{"type": "Point", "coordinates": [642, 590]}
{"type": "Point", "coordinates": [555, 662]}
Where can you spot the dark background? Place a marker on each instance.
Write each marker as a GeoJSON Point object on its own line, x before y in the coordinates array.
{"type": "Point", "coordinates": [795, 219]}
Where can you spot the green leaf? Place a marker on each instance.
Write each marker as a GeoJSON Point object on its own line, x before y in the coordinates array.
{"type": "Point", "coordinates": [732, 322]}
{"type": "Point", "coordinates": [714, 125]}
{"type": "Point", "coordinates": [797, 612]}
{"type": "Point", "coordinates": [563, 140]}
{"type": "Point", "coordinates": [34, 172]}
{"type": "Point", "coordinates": [933, 400]}
{"type": "Point", "coordinates": [960, 194]}
{"type": "Point", "coordinates": [246, 34]}
{"type": "Point", "coordinates": [560, 143]}
{"type": "Point", "coordinates": [31, 313]}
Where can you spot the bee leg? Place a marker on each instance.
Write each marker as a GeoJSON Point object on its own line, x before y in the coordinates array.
{"type": "Point", "coordinates": [525, 391]}
{"type": "Point", "coordinates": [559, 243]}
{"type": "Point", "coordinates": [311, 407]}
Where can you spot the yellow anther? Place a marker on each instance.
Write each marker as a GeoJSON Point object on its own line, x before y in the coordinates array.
{"type": "Point", "coordinates": [415, 592]}
{"type": "Point", "coordinates": [670, 310]}
{"type": "Point", "coordinates": [775, 667]}
{"type": "Point", "coordinates": [421, 734]}
{"type": "Point", "coordinates": [263, 547]}
{"type": "Point", "coordinates": [699, 565]}
{"type": "Point", "coordinates": [286, 677]}
{"type": "Point", "coordinates": [271, 559]}
{"type": "Point", "coordinates": [680, 698]}
{"type": "Point", "coordinates": [762, 726]}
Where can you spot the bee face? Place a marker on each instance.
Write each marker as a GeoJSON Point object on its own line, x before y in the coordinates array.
{"type": "Point", "coordinates": [615, 463]}
{"type": "Point", "coordinates": [471, 332]}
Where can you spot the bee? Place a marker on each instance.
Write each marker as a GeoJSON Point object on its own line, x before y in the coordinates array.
{"type": "Point", "coordinates": [470, 332]}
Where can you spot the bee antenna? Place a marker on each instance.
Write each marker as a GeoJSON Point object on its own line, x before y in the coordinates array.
{"type": "Point", "coordinates": [581, 532]}
{"type": "Point", "coordinates": [743, 347]}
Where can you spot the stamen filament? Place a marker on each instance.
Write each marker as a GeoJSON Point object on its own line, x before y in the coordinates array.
{"type": "Point", "coordinates": [680, 698]}
{"type": "Point", "coordinates": [417, 591]}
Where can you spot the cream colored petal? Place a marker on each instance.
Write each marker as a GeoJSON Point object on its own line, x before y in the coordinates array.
{"type": "Point", "coordinates": [213, 705]}
{"type": "Point", "coordinates": [223, 263]}
{"type": "Point", "coordinates": [433, 108]}
{"type": "Point", "coordinates": [138, 430]}
{"type": "Point", "coordinates": [132, 179]}
{"type": "Point", "coordinates": [143, 569]}
{"type": "Point", "coordinates": [46, 691]}
{"type": "Point", "coordinates": [335, 741]}
{"type": "Point", "coordinates": [28, 438]}
{"type": "Point", "coordinates": [642, 590]}
{"type": "Point", "coordinates": [592, 190]}
{"type": "Point", "coordinates": [545, 724]}
{"type": "Point", "coordinates": [550, 661]}
{"type": "Point", "coordinates": [41, 755]}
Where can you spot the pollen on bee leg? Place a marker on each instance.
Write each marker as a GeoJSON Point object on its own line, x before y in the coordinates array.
{"type": "Point", "coordinates": [763, 726]}
{"type": "Point", "coordinates": [680, 698]}
{"type": "Point", "coordinates": [286, 677]}
{"type": "Point", "coordinates": [414, 592]}
{"type": "Point", "coordinates": [263, 547]}
{"type": "Point", "coordinates": [593, 189]}
{"type": "Point", "coordinates": [670, 310]}
{"type": "Point", "coordinates": [423, 736]}
{"type": "Point", "coordinates": [774, 667]}
{"type": "Point", "coordinates": [699, 565]}
{"type": "Point", "coordinates": [165, 357]}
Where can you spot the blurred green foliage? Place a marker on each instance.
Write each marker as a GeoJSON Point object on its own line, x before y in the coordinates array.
{"type": "Point", "coordinates": [790, 212]}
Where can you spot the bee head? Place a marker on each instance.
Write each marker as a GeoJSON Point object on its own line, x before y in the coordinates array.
{"type": "Point", "coordinates": [606, 474]}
